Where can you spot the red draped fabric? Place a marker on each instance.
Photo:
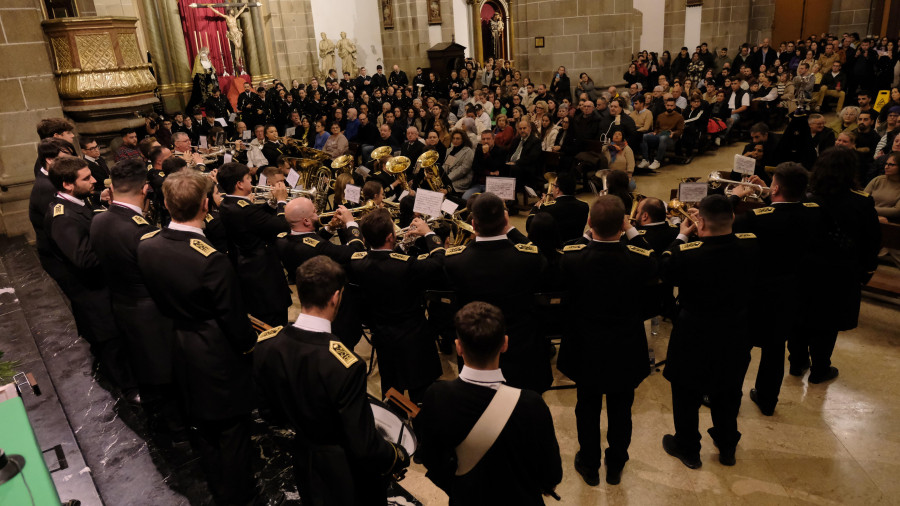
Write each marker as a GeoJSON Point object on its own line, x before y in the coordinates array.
{"type": "Point", "coordinates": [203, 28]}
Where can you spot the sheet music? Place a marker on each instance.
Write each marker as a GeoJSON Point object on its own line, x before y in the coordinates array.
{"type": "Point", "coordinates": [692, 192]}
{"type": "Point", "coordinates": [428, 202]}
{"type": "Point", "coordinates": [352, 193]}
{"type": "Point", "coordinates": [227, 158]}
{"type": "Point", "coordinates": [449, 206]}
{"type": "Point", "coordinates": [246, 135]}
{"type": "Point", "coordinates": [744, 165]}
{"type": "Point", "coordinates": [222, 122]}
{"type": "Point", "coordinates": [503, 187]}
{"type": "Point", "coordinates": [293, 178]}
{"type": "Point", "coordinates": [290, 131]}
{"type": "Point", "coordinates": [202, 142]}
{"type": "Point", "coordinates": [262, 179]}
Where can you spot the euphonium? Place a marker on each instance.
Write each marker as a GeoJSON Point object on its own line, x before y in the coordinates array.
{"type": "Point", "coordinates": [397, 166]}
{"type": "Point", "coordinates": [428, 162]}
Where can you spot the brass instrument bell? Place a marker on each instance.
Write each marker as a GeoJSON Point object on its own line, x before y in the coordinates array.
{"type": "Point", "coordinates": [382, 152]}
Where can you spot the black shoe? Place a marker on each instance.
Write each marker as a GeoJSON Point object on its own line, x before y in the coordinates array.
{"type": "Point", "coordinates": [829, 375]}
{"type": "Point", "coordinates": [726, 457]}
{"type": "Point", "coordinates": [798, 370]}
{"type": "Point", "coordinates": [591, 476]}
{"type": "Point", "coordinates": [754, 396]}
{"type": "Point", "coordinates": [613, 475]}
{"type": "Point", "coordinates": [132, 396]}
{"type": "Point", "coordinates": [705, 401]}
{"type": "Point", "coordinates": [671, 447]}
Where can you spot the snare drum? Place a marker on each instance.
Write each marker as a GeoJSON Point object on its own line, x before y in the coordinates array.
{"type": "Point", "coordinates": [393, 428]}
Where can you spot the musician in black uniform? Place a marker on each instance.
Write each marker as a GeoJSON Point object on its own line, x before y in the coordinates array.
{"type": "Point", "coordinates": [650, 221]}
{"type": "Point", "coordinates": [605, 347]}
{"type": "Point", "coordinates": [790, 231]}
{"type": "Point", "coordinates": [218, 105]}
{"type": "Point", "coordinates": [494, 270]}
{"type": "Point", "coordinates": [392, 285]}
{"type": "Point", "coordinates": [848, 261]}
{"type": "Point", "coordinates": [317, 386]}
{"type": "Point", "coordinates": [76, 268]}
{"type": "Point", "coordinates": [91, 153]}
{"type": "Point", "coordinates": [709, 349]}
{"type": "Point", "coordinates": [42, 194]}
{"type": "Point", "coordinates": [150, 336]}
{"type": "Point", "coordinates": [251, 106]}
{"type": "Point", "coordinates": [523, 463]}
{"type": "Point", "coordinates": [252, 229]}
{"type": "Point", "coordinates": [570, 213]}
{"type": "Point", "coordinates": [196, 286]}
{"type": "Point", "coordinates": [303, 243]}
{"type": "Point", "coordinates": [273, 148]}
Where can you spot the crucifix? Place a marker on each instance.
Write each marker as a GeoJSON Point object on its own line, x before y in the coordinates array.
{"type": "Point", "coordinates": [235, 34]}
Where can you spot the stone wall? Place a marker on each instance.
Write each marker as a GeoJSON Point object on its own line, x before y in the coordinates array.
{"type": "Point", "coordinates": [673, 29]}
{"type": "Point", "coordinates": [593, 36]}
{"type": "Point", "coordinates": [29, 94]}
{"type": "Point", "coordinates": [853, 16]}
{"type": "Point", "coordinates": [725, 23]}
{"type": "Point", "coordinates": [762, 15]}
{"type": "Point", "coordinates": [407, 43]}
{"type": "Point", "coordinates": [294, 41]}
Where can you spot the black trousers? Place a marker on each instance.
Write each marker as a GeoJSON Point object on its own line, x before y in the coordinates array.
{"type": "Point", "coordinates": [770, 374]}
{"type": "Point", "coordinates": [587, 421]}
{"type": "Point", "coordinates": [225, 455]}
{"type": "Point", "coordinates": [161, 404]}
{"type": "Point", "coordinates": [724, 407]}
{"type": "Point", "coordinates": [811, 346]}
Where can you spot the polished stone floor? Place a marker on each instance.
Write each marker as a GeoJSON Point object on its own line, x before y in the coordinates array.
{"type": "Point", "coordinates": [836, 443]}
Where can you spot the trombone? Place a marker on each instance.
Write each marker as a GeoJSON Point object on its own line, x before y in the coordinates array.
{"type": "Point", "coordinates": [368, 206]}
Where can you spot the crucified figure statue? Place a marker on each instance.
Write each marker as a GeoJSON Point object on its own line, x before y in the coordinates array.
{"type": "Point", "coordinates": [235, 34]}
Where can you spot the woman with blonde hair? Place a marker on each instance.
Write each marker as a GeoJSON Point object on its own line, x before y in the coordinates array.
{"type": "Point", "coordinates": [340, 185]}
{"type": "Point", "coordinates": [440, 126]}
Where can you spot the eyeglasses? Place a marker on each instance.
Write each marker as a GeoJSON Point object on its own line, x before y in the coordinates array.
{"type": "Point", "coordinates": [891, 165]}
{"type": "Point", "coordinates": [91, 148]}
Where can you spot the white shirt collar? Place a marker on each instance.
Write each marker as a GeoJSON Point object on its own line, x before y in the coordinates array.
{"type": "Point", "coordinates": [186, 228]}
{"type": "Point", "coordinates": [91, 158]}
{"type": "Point", "coordinates": [490, 238]}
{"type": "Point", "coordinates": [238, 196]}
{"type": "Point", "coordinates": [44, 172]}
{"type": "Point", "coordinates": [312, 323]}
{"type": "Point", "coordinates": [491, 379]}
{"type": "Point", "coordinates": [70, 198]}
{"type": "Point", "coordinates": [655, 223]}
{"type": "Point", "coordinates": [129, 206]}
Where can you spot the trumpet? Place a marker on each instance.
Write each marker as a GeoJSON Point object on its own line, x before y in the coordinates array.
{"type": "Point", "coordinates": [401, 234]}
{"type": "Point", "coordinates": [716, 180]}
{"type": "Point", "coordinates": [263, 193]}
{"type": "Point", "coordinates": [368, 206]}
{"type": "Point", "coordinates": [678, 208]}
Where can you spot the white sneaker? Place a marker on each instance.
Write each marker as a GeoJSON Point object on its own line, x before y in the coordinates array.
{"type": "Point", "coordinates": [643, 165]}
{"type": "Point", "coordinates": [654, 165]}
{"type": "Point", "coordinates": [718, 141]}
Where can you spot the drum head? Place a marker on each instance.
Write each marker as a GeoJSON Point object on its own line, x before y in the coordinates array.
{"type": "Point", "coordinates": [393, 428]}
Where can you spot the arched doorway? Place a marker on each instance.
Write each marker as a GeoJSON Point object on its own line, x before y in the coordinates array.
{"type": "Point", "coordinates": [494, 14]}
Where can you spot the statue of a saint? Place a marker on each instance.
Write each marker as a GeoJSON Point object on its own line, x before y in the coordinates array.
{"type": "Point", "coordinates": [326, 53]}
{"type": "Point", "coordinates": [235, 34]}
{"type": "Point", "coordinates": [347, 52]}
{"type": "Point", "coordinates": [204, 77]}
{"type": "Point", "coordinates": [497, 34]}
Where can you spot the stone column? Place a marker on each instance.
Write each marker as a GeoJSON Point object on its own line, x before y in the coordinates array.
{"type": "Point", "coordinates": [476, 21]}
{"type": "Point", "coordinates": [156, 41]}
{"type": "Point", "coordinates": [250, 51]}
{"type": "Point", "coordinates": [181, 67]}
{"type": "Point", "coordinates": [262, 49]}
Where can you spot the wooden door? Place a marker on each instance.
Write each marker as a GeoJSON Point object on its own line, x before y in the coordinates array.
{"type": "Point", "coordinates": [798, 19]}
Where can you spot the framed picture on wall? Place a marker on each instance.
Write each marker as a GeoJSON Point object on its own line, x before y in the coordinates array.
{"type": "Point", "coordinates": [434, 12]}
{"type": "Point", "coordinates": [387, 13]}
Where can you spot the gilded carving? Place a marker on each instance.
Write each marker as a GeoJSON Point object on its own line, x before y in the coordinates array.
{"type": "Point", "coordinates": [80, 85]}
{"type": "Point", "coordinates": [95, 51]}
{"type": "Point", "coordinates": [62, 52]}
{"type": "Point", "coordinates": [128, 46]}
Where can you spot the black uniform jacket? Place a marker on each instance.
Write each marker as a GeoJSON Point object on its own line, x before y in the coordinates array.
{"type": "Point", "coordinates": [392, 285]}
{"type": "Point", "coordinates": [658, 236]}
{"type": "Point", "coordinates": [605, 343]}
{"type": "Point", "coordinates": [523, 462]}
{"type": "Point", "coordinates": [709, 348]}
{"type": "Point", "coordinates": [42, 193]}
{"type": "Point", "coordinates": [252, 230]}
{"type": "Point", "coordinates": [318, 386]}
{"type": "Point", "coordinates": [570, 213]}
{"type": "Point", "coordinates": [853, 237]}
{"type": "Point", "coordinates": [195, 286]}
{"type": "Point", "coordinates": [75, 266]}
{"type": "Point", "coordinates": [790, 235]}
{"type": "Point", "coordinates": [115, 236]}
{"type": "Point", "coordinates": [507, 276]}
{"type": "Point", "coordinates": [296, 249]}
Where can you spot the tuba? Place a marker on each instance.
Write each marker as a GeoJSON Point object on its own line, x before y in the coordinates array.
{"type": "Point", "coordinates": [428, 162]}
{"type": "Point", "coordinates": [397, 166]}
{"type": "Point", "coordinates": [342, 164]}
